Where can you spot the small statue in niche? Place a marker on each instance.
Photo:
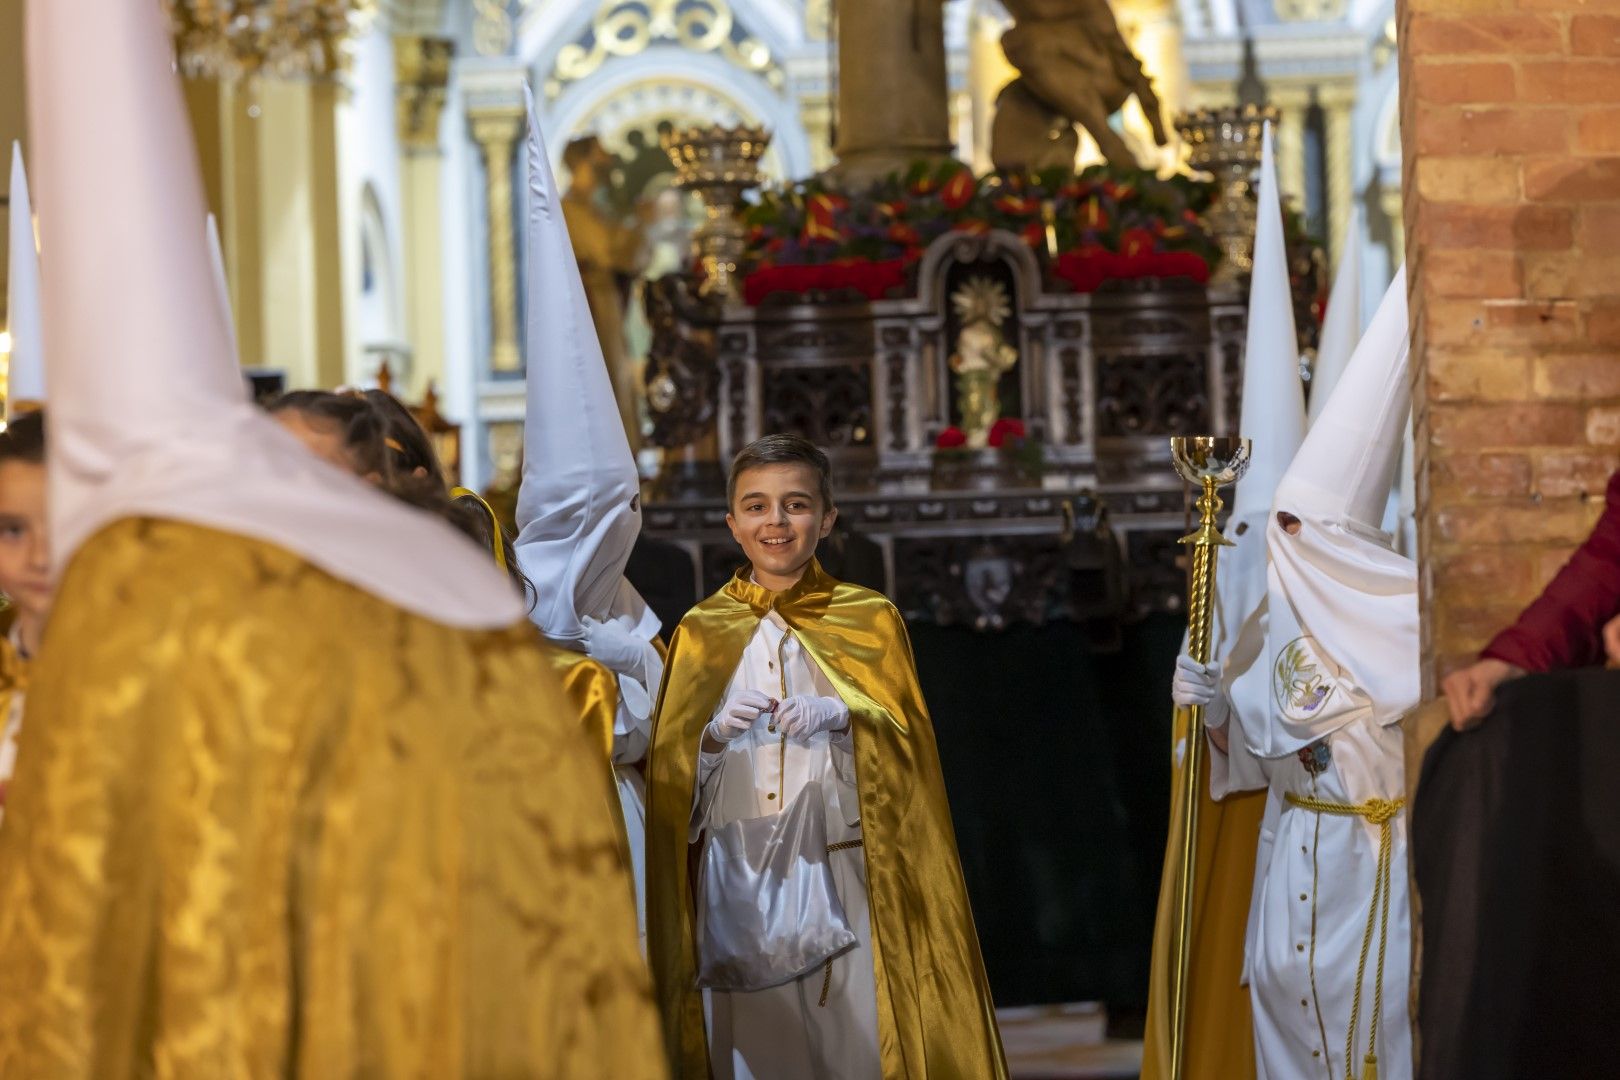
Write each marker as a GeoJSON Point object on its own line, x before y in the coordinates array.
{"type": "Point", "coordinates": [982, 356]}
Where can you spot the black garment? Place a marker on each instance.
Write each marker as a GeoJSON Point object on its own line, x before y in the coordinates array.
{"type": "Point", "coordinates": [1516, 852]}
{"type": "Point", "coordinates": [665, 576]}
{"type": "Point", "coordinates": [853, 557]}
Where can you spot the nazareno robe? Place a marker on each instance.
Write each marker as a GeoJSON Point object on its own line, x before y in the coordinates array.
{"type": "Point", "coordinates": [1563, 627]}
{"type": "Point", "coordinates": [935, 1016]}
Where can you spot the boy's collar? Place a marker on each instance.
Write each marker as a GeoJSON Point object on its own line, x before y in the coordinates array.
{"type": "Point", "coordinates": [745, 590]}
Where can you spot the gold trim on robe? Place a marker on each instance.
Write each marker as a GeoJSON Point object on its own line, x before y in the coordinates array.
{"type": "Point", "coordinates": [265, 824]}
{"type": "Point", "coordinates": [935, 1016]}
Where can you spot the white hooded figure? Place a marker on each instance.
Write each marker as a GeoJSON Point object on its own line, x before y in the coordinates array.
{"type": "Point", "coordinates": [1314, 691]}
{"type": "Point", "coordinates": [25, 377]}
{"type": "Point", "coordinates": [169, 431]}
{"type": "Point", "coordinates": [1272, 417]}
{"type": "Point", "coordinates": [579, 509]}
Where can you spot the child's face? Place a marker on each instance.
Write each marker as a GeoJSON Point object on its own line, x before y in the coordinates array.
{"type": "Point", "coordinates": [777, 517]}
{"type": "Point", "coordinates": [24, 559]}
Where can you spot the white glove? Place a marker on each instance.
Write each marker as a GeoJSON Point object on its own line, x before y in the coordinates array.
{"type": "Point", "coordinates": [616, 648]}
{"type": "Point", "coordinates": [801, 717]}
{"type": "Point", "coordinates": [1195, 683]}
{"type": "Point", "coordinates": [1200, 684]}
{"type": "Point", "coordinates": [738, 715]}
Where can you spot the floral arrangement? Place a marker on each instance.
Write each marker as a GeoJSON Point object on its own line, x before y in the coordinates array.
{"type": "Point", "coordinates": [1008, 437]}
{"type": "Point", "coordinates": [1102, 222]}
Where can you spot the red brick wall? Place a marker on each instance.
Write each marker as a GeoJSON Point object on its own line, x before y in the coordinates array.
{"type": "Point", "coordinates": [1510, 116]}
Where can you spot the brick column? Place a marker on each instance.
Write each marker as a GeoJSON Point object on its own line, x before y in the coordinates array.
{"type": "Point", "coordinates": [1511, 141]}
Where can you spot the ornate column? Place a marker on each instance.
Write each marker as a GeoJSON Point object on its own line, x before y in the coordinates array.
{"type": "Point", "coordinates": [1337, 104]}
{"type": "Point", "coordinates": [892, 97]}
{"type": "Point", "coordinates": [496, 129]}
{"type": "Point", "coordinates": [422, 76]}
{"type": "Point", "coordinates": [1291, 145]}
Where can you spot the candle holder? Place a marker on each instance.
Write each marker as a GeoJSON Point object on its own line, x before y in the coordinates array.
{"type": "Point", "coordinates": [719, 163]}
{"type": "Point", "coordinates": [1226, 144]}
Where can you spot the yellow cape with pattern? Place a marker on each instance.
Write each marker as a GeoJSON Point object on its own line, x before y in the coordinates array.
{"type": "Point", "coordinates": [267, 825]}
{"type": "Point", "coordinates": [935, 1017]}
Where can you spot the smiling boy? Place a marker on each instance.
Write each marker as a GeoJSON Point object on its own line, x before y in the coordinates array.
{"type": "Point", "coordinates": [783, 681]}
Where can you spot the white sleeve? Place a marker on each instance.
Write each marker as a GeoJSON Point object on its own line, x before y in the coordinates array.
{"type": "Point", "coordinates": [1235, 768]}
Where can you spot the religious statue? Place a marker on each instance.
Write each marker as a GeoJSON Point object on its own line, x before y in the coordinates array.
{"type": "Point", "coordinates": [609, 255]}
{"type": "Point", "coordinates": [1074, 67]}
{"type": "Point", "coordinates": [982, 355]}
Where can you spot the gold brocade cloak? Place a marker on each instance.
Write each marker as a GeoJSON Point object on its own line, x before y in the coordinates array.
{"type": "Point", "coordinates": [935, 1017]}
{"type": "Point", "coordinates": [1220, 1028]}
{"type": "Point", "coordinates": [266, 825]}
{"type": "Point", "coordinates": [591, 689]}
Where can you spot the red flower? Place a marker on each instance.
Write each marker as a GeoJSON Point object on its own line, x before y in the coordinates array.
{"type": "Point", "coordinates": [923, 185]}
{"type": "Point", "coordinates": [1034, 234]}
{"type": "Point", "coordinates": [891, 209]}
{"type": "Point", "coordinates": [1135, 242]}
{"type": "Point", "coordinates": [1018, 205]}
{"type": "Point", "coordinates": [950, 439]}
{"type": "Point", "coordinates": [1008, 427]}
{"type": "Point", "coordinates": [819, 221]}
{"type": "Point", "coordinates": [959, 190]}
{"type": "Point", "coordinates": [902, 234]}
{"type": "Point", "coordinates": [973, 226]}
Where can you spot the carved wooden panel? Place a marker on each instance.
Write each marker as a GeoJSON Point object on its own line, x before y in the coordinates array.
{"type": "Point", "coordinates": [1151, 395]}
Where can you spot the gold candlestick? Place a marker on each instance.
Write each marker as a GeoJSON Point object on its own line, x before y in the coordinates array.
{"type": "Point", "coordinates": [1208, 462]}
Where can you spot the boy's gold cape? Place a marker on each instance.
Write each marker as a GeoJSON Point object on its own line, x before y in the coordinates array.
{"type": "Point", "coordinates": [935, 1016]}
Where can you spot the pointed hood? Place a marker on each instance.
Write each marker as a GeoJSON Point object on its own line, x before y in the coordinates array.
{"type": "Point", "coordinates": [1341, 329]}
{"type": "Point", "coordinates": [222, 288]}
{"type": "Point", "coordinates": [1273, 412]}
{"type": "Point", "coordinates": [579, 509]}
{"type": "Point", "coordinates": [149, 413]}
{"type": "Point", "coordinates": [1346, 467]}
{"type": "Point", "coordinates": [1340, 641]}
{"type": "Point", "coordinates": [25, 381]}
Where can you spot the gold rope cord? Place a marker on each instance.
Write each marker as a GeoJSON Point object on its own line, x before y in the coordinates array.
{"type": "Point", "coordinates": [1380, 812]}
{"type": "Point", "coordinates": [494, 522]}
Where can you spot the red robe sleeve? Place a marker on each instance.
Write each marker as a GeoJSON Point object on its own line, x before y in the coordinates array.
{"type": "Point", "coordinates": [1563, 628]}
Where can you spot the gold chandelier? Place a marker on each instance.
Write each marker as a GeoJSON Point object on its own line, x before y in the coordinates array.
{"type": "Point", "coordinates": [234, 39]}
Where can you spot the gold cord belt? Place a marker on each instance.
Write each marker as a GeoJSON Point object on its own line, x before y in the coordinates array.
{"type": "Point", "coordinates": [1380, 812]}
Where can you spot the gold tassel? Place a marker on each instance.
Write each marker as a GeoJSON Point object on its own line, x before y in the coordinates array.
{"type": "Point", "coordinates": [1370, 1069]}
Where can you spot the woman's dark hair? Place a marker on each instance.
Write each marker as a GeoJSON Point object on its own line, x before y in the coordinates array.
{"type": "Point", "coordinates": [372, 423]}
{"type": "Point", "coordinates": [782, 450]}
{"type": "Point", "coordinates": [24, 439]}
{"type": "Point", "coordinates": [410, 446]}
{"type": "Point", "coordinates": [364, 430]}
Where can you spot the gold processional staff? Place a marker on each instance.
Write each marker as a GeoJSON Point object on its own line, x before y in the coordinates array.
{"type": "Point", "coordinates": [1208, 462]}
